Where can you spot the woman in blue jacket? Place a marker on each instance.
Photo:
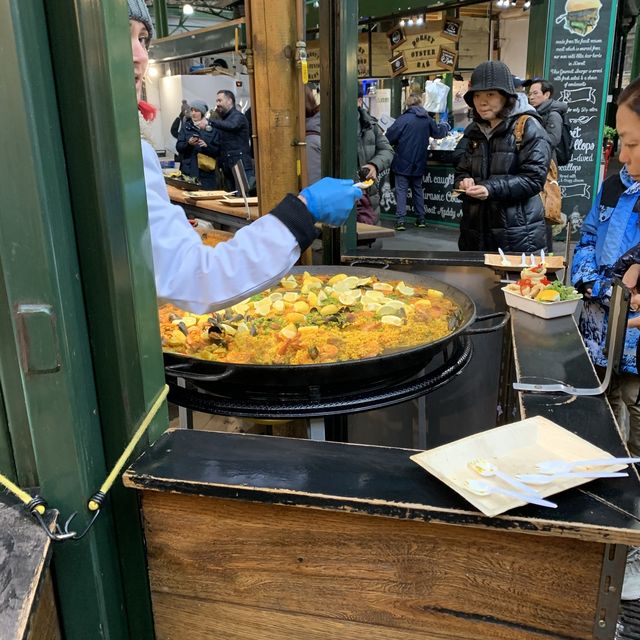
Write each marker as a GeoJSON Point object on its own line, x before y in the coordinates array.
{"type": "Point", "coordinates": [610, 229]}
{"type": "Point", "coordinates": [409, 135]}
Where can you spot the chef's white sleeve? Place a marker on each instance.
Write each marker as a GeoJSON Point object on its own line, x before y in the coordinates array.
{"type": "Point", "coordinates": [199, 278]}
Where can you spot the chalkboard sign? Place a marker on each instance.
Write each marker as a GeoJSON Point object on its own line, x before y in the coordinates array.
{"type": "Point", "coordinates": [446, 59]}
{"type": "Point", "coordinates": [579, 62]}
{"type": "Point", "coordinates": [452, 29]}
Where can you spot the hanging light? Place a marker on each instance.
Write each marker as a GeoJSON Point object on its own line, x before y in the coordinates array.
{"type": "Point", "coordinates": [402, 22]}
{"type": "Point", "coordinates": [316, 4]}
{"type": "Point", "coordinates": [153, 71]}
{"type": "Point", "coordinates": [410, 22]}
{"type": "Point", "coordinates": [420, 20]}
{"type": "Point", "coordinates": [187, 9]}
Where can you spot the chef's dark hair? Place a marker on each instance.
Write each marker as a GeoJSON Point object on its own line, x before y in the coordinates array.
{"type": "Point", "coordinates": [631, 96]}
{"type": "Point", "coordinates": [228, 94]}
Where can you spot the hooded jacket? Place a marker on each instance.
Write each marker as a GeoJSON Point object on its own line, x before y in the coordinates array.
{"type": "Point", "coordinates": [551, 113]}
{"type": "Point", "coordinates": [189, 153]}
{"type": "Point", "coordinates": [312, 138]}
{"type": "Point", "coordinates": [410, 134]}
{"type": "Point", "coordinates": [373, 148]}
{"type": "Point", "coordinates": [609, 230]}
{"type": "Point", "coordinates": [512, 217]}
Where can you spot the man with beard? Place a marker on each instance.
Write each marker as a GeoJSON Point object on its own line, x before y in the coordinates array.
{"type": "Point", "coordinates": [234, 139]}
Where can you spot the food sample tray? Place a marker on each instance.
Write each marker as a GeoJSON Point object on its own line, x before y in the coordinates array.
{"type": "Point", "coordinates": [541, 309]}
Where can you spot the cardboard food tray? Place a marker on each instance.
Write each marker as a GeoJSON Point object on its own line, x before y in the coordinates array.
{"type": "Point", "coordinates": [545, 310]}
{"type": "Point", "coordinates": [239, 202]}
{"type": "Point", "coordinates": [207, 195]}
{"type": "Point", "coordinates": [552, 263]}
{"type": "Point", "coordinates": [513, 448]}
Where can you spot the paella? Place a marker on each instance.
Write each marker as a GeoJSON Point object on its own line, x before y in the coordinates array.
{"type": "Point", "coordinates": [312, 319]}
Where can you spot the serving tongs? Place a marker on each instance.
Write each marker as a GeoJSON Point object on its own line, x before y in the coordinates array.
{"type": "Point", "coordinates": [618, 312]}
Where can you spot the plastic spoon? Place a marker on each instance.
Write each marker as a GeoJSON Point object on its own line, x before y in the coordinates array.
{"type": "Point", "coordinates": [562, 466]}
{"type": "Point", "coordinates": [532, 260]}
{"type": "Point", "coordinates": [541, 478]}
{"type": "Point", "coordinates": [482, 488]}
{"type": "Point", "coordinates": [503, 258]}
{"type": "Point", "coordinates": [523, 261]}
{"type": "Point", "coordinates": [488, 470]}
{"type": "Point", "coordinates": [542, 257]}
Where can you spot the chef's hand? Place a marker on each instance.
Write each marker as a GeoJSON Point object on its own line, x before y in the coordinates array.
{"type": "Point", "coordinates": [477, 191]}
{"type": "Point", "coordinates": [330, 200]}
{"type": "Point", "coordinates": [372, 172]}
{"type": "Point", "coordinates": [467, 183]}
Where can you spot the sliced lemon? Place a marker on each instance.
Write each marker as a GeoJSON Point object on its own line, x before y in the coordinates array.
{"type": "Point", "coordinates": [291, 296]}
{"type": "Point", "coordinates": [294, 318]}
{"type": "Point", "coordinates": [387, 310]}
{"type": "Point", "coordinates": [404, 289]}
{"type": "Point", "coordinates": [227, 328]}
{"type": "Point", "coordinates": [349, 297]}
{"type": "Point", "coordinates": [289, 331]}
{"type": "Point", "coordinates": [345, 285]}
{"type": "Point", "coordinates": [276, 295]}
{"type": "Point", "coordinates": [394, 320]}
{"type": "Point", "coordinates": [434, 293]}
{"type": "Point", "coordinates": [188, 321]}
{"type": "Point", "coordinates": [382, 286]}
{"type": "Point", "coordinates": [279, 306]}
{"type": "Point", "coordinates": [337, 278]}
{"type": "Point", "coordinates": [262, 307]}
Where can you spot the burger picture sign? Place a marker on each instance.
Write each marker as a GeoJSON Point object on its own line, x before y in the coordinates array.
{"type": "Point", "coordinates": [580, 16]}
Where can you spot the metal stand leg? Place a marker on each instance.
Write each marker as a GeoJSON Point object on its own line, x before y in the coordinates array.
{"type": "Point", "coordinates": [185, 415]}
{"type": "Point", "coordinates": [421, 429]}
{"type": "Point", "coordinates": [316, 429]}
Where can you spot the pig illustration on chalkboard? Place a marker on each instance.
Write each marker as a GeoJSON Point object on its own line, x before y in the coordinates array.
{"type": "Point", "coordinates": [580, 16]}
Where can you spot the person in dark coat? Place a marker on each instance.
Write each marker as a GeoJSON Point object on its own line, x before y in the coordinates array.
{"type": "Point", "coordinates": [409, 135]}
{"type": "Point", "coordinates": [551, 113]}
{"type": "Point", "coordinates": [197, 137]}
{"type": "Point", "coordinates": [234, 139]}
{"type": "Point", "coordinates": [501, 207]}
{"type": "Point", "coordinates": [374, 156]}
{"type": "Point", "coordinates": [176, 125]}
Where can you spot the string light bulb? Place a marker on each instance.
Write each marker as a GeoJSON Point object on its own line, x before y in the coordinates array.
{"type": "Point", "coordinates": [420, 20]}
{"type": "Point", "coordinates": [402, 22]}
{"type": "Point", "coordinates": [187, 9]}
{"type": "Point", "coordinates": [410, 22]}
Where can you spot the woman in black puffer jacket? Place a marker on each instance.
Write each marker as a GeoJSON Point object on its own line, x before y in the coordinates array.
{"type": "Point", "coordinates": [501, 204]}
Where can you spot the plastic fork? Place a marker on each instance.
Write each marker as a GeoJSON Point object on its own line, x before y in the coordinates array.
{"type": "Point", "coordinates": [488, 470]}
{"type": "Point", "coordinates": [564, 466]}
{"type": "Point", "coordinates": [541, 478]}
{"type": "Point", "coordinates": [483, 488]}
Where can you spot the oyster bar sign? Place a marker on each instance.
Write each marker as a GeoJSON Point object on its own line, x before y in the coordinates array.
{"type": "Point", "coordinates": [579, 55]}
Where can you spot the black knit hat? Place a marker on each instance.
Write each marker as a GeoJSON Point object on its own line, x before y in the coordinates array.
{"type": "Point", "coordinates": [138, 11]}
{"type": "Point", "coordinates": [490, 75]}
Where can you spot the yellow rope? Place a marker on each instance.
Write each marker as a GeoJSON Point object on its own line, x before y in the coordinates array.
{"type": "Point", "coordinates": [106, 485]}
{"type": "Point", "coordinates": [19, 493]}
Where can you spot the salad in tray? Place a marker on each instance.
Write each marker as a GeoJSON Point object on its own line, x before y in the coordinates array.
{"type": "Point", "coordinates": [533, 284]}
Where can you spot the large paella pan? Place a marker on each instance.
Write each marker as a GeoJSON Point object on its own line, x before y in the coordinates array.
{"type": "Point", "coordinates": [322, 326]}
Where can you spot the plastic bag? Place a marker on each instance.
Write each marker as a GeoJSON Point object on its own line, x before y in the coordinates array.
{"type": "Point", "coordinates": [435, 96]}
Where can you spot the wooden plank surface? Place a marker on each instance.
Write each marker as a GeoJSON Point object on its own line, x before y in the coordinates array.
{"type": "Point", "coordinates": [45, 624]}
{"type": "Point", "coordinates": [24, 556]}
{"type": "Point", "coordinates": [182, 197]}
{"type": "Point", "coordinates": [309, 574]}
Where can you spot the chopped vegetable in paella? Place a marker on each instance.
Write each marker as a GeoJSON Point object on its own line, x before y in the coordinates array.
{"type": "Point", "coordinates": [312, 319]}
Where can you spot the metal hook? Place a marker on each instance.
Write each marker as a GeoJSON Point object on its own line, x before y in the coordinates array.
{"type": "Point", "coordinates": [59, 535]}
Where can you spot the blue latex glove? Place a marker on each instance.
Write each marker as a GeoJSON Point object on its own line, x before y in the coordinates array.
{"type": "Point", "coordinates": [330, 200]}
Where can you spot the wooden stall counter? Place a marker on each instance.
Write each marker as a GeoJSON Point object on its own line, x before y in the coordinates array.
{"type": "Point", "coordinates": [27, 603]}
{"type": "Point", "coordinates": [274, 538]}
{"type": "Point", "coordinates": [216, 211]}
